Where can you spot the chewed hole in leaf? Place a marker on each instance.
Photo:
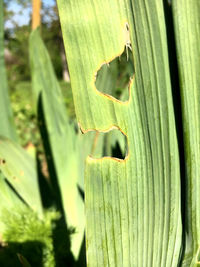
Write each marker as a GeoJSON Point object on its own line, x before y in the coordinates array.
{"type": "Point", "coordinates": [2, 161]}
{"type": "Point", "coordinates": [113, 79]}
{"type": "Point", "coordinates": [110, 144]}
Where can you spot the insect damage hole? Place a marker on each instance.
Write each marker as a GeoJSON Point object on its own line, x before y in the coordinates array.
{"type": "Point", "coordinates": [2, 161]}
{"type": "Point", "coordinates": [114, 78]}
{"type": "Point", "coordinates": [109, 144]}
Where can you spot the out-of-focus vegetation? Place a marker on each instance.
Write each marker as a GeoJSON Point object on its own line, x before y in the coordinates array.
{"type": "Point", "coordinates": [25, 116]}
{"type": "Point", "coordinates": [28, 235]}
{"type": "Point", "coordinates": [18, 67]}
{"type": "Point", "coordinates": [16, 40]}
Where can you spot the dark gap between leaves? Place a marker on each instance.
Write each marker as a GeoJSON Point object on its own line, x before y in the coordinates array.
{"type": "Point", "coordinates": [176, 94]}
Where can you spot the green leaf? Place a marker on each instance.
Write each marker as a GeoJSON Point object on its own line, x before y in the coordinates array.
{"type": "Point", "coordinates": [9, 200]}
{"type": "Point", "coordinates": [7, 127]}
{"type": "Point", "coordinates": [186, 15]}
{"type": "Point", "coordinates": [7, 195]}
{"type": "Point", "coordinates": [106, 78]}
{"type": "Point", "coordinates": [133, 213]}
{"type": "Point", "coordinates": [19, 169]}
{"type": "Point", "coordinates": [64, 142]}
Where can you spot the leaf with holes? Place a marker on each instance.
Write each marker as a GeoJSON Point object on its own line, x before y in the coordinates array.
{"type": "Point", "coordinates": [133, 209]}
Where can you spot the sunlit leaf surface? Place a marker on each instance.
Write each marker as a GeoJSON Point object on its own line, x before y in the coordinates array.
{"type": "Point", "coordinates": [133, 213]}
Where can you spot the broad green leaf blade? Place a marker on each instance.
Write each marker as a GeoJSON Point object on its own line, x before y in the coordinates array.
{"type": "Point", "coordinates": [8, 198]}
{"type": "Point", "coordinates": [133, 213]}
{"type": "Point", "coordinates": [62, 137]}
{"type": "Point", "coordinates": [7, 127]}
{"type": "Point", "coordinates": [19, 169]}
{"type": "Point", "coordinates": [186, 15]}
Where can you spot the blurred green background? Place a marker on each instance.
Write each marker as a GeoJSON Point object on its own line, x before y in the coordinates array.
{"type": "Point", "coordinates": [17, 25]}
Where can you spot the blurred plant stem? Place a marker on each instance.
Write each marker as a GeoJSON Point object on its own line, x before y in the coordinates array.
{"type": "Point", "coordinates": [36, 19]}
